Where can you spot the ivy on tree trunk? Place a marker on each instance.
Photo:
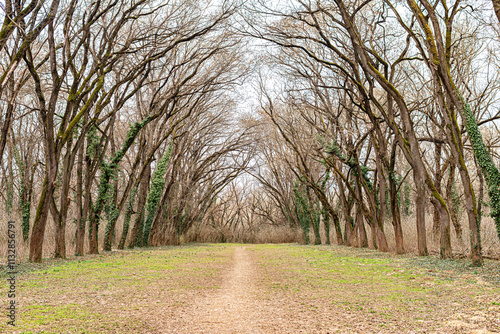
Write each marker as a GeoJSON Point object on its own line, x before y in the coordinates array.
{"type": "Point", "coordinates": [484, 160]}
{"type": "Point", "coordinates": [154, 196]}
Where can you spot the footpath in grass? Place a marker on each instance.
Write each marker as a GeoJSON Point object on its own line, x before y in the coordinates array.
{"type": "Point", "coordinates": [228, 288]}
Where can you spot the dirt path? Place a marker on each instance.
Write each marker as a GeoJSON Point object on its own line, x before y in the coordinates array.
{"type": "Point", "coordinates": [232, 309]}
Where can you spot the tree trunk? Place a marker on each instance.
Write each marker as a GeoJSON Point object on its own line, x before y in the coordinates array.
{"type": "Point", "coordinates": [380, 216]}
{"type": "Point", "coordinates": [479, 200]}
{"type": "Point", "coordinates": [398, 234]}
{"type": "Point", "coordinates": [68, 163]}
{"type": "Point", "coordinates": [473, 214]}
{"type": "Point", "coordinates": [437, 183]}
{"type": "Point", "coordinates": [496, 7]}
{"type": "Point", "coordinates": [360, 228]}
{"type": "Point", "coordinates": [90, 169]}
{"type": "Point", "coordinates": [60, 249]}
{"type": "Point", "coordinates": [108, 171]}
{"type": "Point", "coordinates": [26, 197]}
{"type": "Point", "coordinates": [420, 216]}
{"type": "Point", "coordinates": [338, 231]}
{"type": "Point", "coordinates": [396, 219]}
{"type": "Point", "coordinates": [326, 225]}
{"type": "Point", "coordinates": [110, 232]}
{"type": "Point", "coordinates": [9, 203]}
{"type": "Point", "coordinates": [93, 234]}
{"type": "Point", "coordinates": [126, 222]}
{"type": "Point", "coordinates": [80, 219]}
{"type": "Point", "coordinates": [373, 228]}
{"type": "Point", "coordinates": [349, 233]}
{"type": "Point", "coordinates": [157, 233]}
{"type": "Point", "coordinates": [449, 198]}
{"type": "Point", "coordinates": [381, 240]}
{"type": "Point", "coordinates": [395, 201]}
{"type": "Point", "coordinates": [87, 207]}
{"type": "Point", "coordinates": [445, 249]}
{"type": "Point", "coordinates": [359, 223]}
{"type": "Point", "coordinates": [114, 212]}
{"type": "Point", "coordinates": [315, 219]}
{"type": "Point", "coordinates": [38, 230]}
{"type": "Point", "coordinates": [9, 116]}
{"type": "Point", "coordinates": [137, 230]}
{"type": "Point", "coordinates": [470, 204]}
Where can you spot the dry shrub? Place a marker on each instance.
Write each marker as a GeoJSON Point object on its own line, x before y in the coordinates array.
{"type": "Point", "coordinates": [489, 238]}
{"type": "Point", "coordinates": [278, 234]}
{"type": "Point", "coordinates": [22, 248]}
{"type": "Point", "coordinates": [258, 235]}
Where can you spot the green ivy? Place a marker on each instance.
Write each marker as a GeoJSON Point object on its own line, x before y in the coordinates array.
{"type": "Point", "coordinates": [93, 141]}
{"type": "Point", "coordinates": [308, 213]}
{"type": "Point", "coordinates": [10, 197]}
{"type": "Point", "coordinates": [25, 215]}
{"type": "Point", "coordinates": [110, 170]}
{"type": "Point", "coordinates": [333, 149]}
{"type": "Point", "coordinates": [302, 208]}
{"type": "Point", "coordinates": [455, 200]}
{"type": "Point", "coordinates": [490, 171]}
{"type": "Point", "coordinates": [157, 185]}
{"type": "Point", "coordinates": [407, 200]}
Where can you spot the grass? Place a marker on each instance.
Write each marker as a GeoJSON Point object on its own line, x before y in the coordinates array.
{"type": "Point", "coordinates": [398, 294]}
{"type": "Point", "coordinates": [316, 288]}
{"type": "Point", "coordinates": [111, 293]}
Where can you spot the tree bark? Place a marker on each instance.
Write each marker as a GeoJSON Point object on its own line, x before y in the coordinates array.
{"type": "Point", "coordinates": [126, 223]}
{"type": "Point", "coordinates": [445, 249]}
{"type": "Point", "coordinates": [437, 182]}
{"type": "Point", "coordinates": [395, 200]}
{"type": "Point", "coordinates": [349, 234]}
{"type": "Point", "coordinates": [38, 230]}
{"type": "Point", "coordinates": [420, 216]}
{"type": "Point", "coordinates": [496, 7]}
{"type": "Point", "coordinates": [326, 225]}
{"type": "Point", "coordinates": [137, 230]}
{"type": "Point", "coordinates": [449, 197]}
{"type": "Point", "coordinates": [61, 220]}
{"type": "Point", "coordinates": [360, 224]}
{"type": "Point", "coordinates": [87, 207]}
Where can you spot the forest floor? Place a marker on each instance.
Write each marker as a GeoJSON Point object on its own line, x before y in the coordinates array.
{"type": "Point", "coordinates": [227, 288]}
